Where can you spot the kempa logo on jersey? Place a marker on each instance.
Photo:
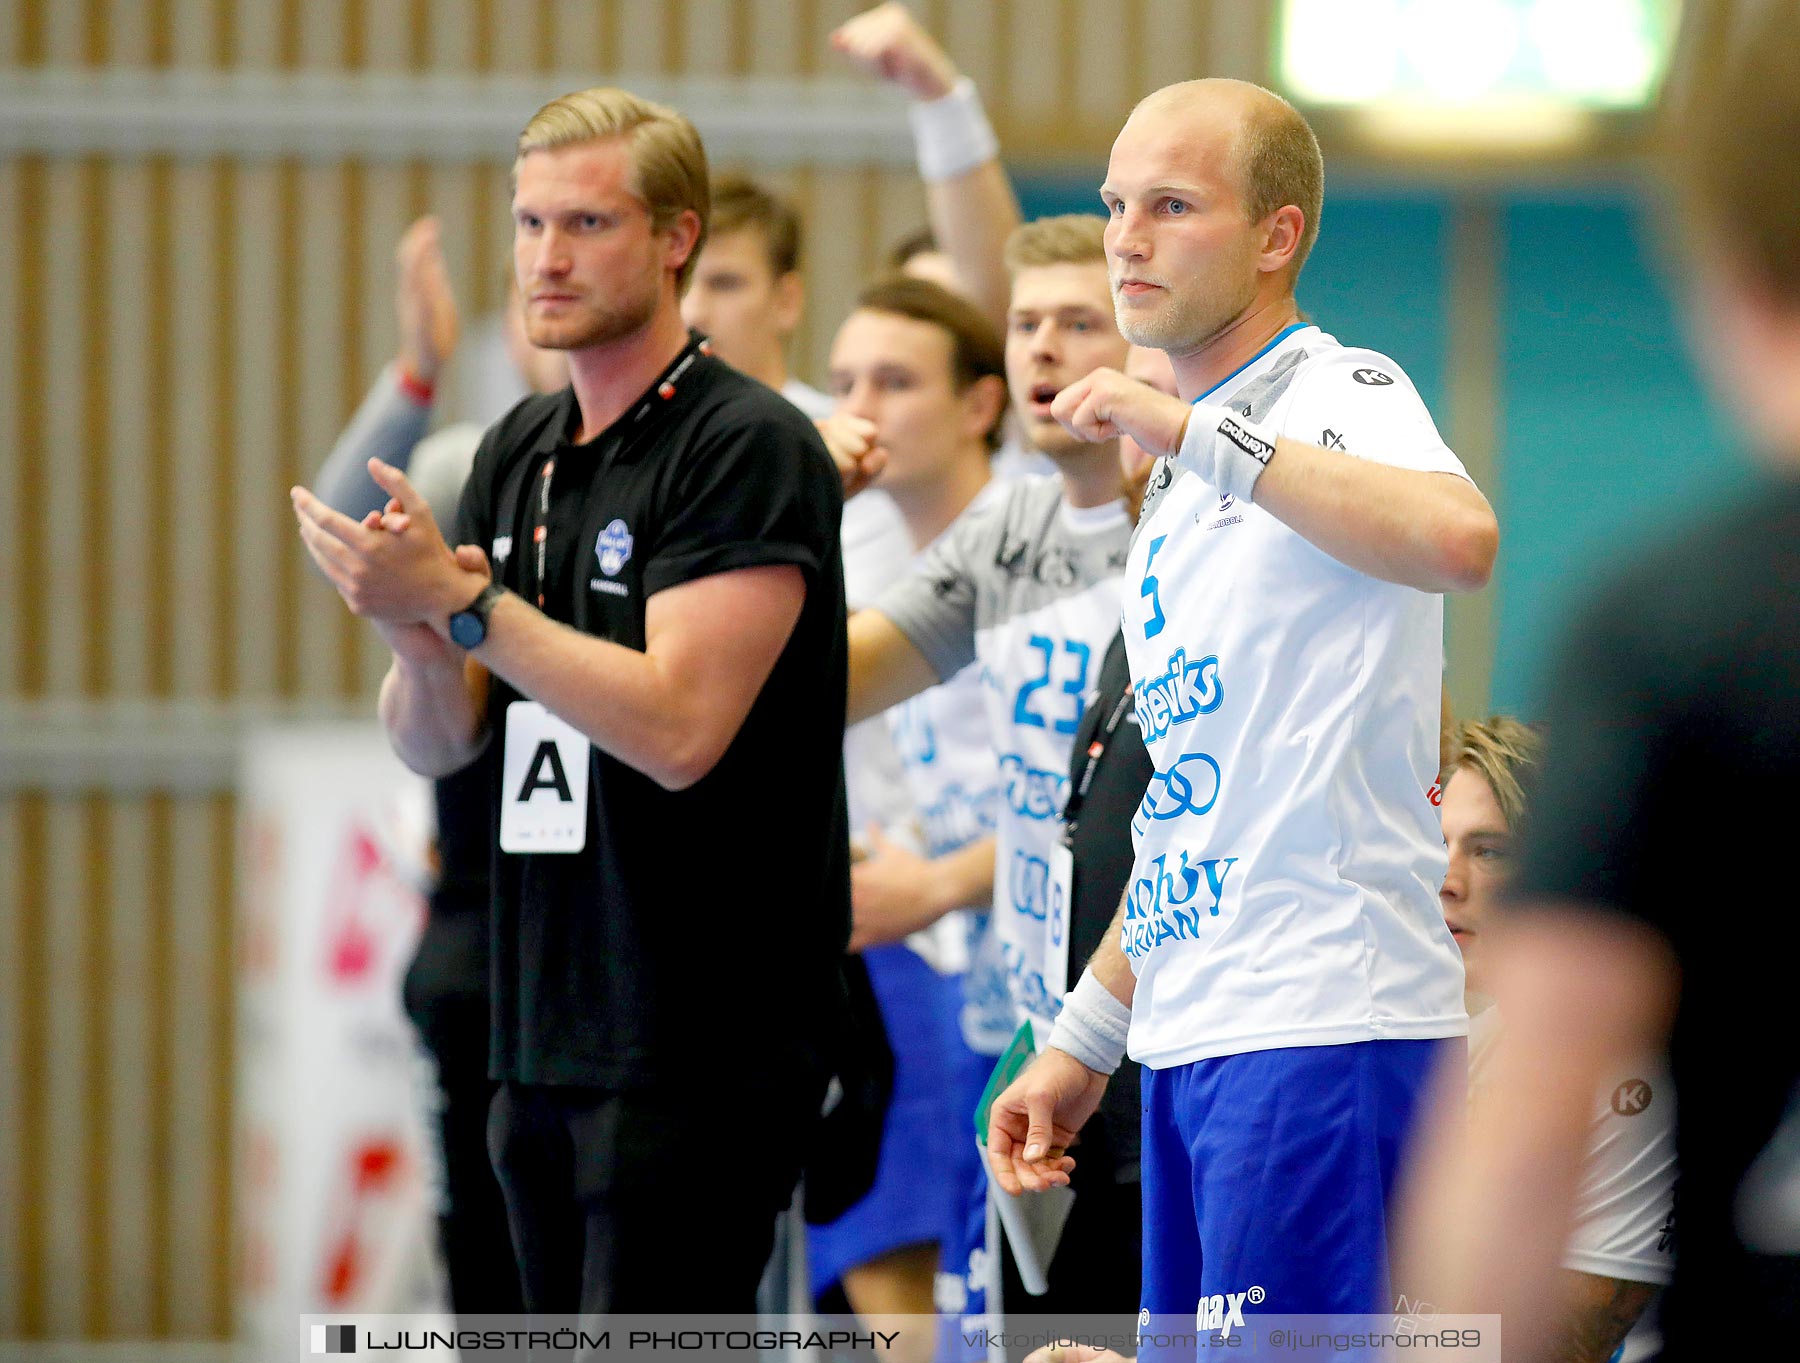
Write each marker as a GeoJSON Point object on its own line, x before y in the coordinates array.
{"type": "Point", "coordinates": [1253, 445]}
{"type": "Point", "coordinates": [1182, 693]}
{"type": "Point", "coordinates": [1632, 1098]}
{"type": "Point", "coordinates": [502, 548]}
{"type": "Point", "coordinates": [1374, 378]}
{"type": "Point", "coordinates": [613, 548]}
{"type": "Point", "coordinates": [1222, 1312]}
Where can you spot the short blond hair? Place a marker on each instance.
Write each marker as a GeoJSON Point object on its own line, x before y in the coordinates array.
{"type": "Point", "coordinates": [667, 158]}
{"type": "Point", "coordinates": [1504, 752]}
{"type": "Point", "coordinates": [1067, 239]}
{"type": "Point", "coordinates": [1280, 161]}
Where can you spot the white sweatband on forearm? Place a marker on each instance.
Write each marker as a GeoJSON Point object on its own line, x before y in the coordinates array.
{"type": "Point", "coordinates": [1225, 449]}
{"type": "Point", "coordinates": [951, 134]}
{"type": "Point", "coordinates": [1093, 1025]}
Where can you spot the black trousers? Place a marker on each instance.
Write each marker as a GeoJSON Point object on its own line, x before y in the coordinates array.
{"type": "Point", "coordinates": [472, 1229]}
{"type": "Point", "coordinates": [646, 1200]}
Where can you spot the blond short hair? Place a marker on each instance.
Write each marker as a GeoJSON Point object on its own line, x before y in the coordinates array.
{"type": "Point", "coordinates": [1067, 239]}
{"type": "Point", "coordinates": [1281, 164]}
{"type": "Point", "coordinates": [1504, 753]}
{"type": "Point", "coordinates": [668, 160]}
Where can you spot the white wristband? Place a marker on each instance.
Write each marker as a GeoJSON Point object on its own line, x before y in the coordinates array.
{"type": "Point", "coordinates": [1225, 449]}
{"type": "Point", "coordinates": [952, 134]}
{"type": "Point", "coordinates": [1092, 1026]}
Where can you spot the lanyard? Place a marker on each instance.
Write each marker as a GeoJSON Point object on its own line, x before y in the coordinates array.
{"type": "Point", "coordinates": [663, 389]}
{"type": "Point", "coordinates": [1096, 749]}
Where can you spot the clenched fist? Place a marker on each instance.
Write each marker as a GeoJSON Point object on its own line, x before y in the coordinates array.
{"type": "Point", "coordinates": [1105, 404]}
{"type": "Point", "coordinates": [889, 44]}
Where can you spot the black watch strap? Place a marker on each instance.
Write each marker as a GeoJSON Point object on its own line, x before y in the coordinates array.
{"type": "Point", "coordinates": [469, 626]}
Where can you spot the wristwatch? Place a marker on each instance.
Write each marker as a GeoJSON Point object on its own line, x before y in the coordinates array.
{"type": "Point", "coordinates": [469, 626]}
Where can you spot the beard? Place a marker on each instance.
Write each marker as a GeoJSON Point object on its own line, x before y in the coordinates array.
{"type": "Point", "coordinates": [1186, 321]}
{"type": "Point", "coordinates": [598, 323]}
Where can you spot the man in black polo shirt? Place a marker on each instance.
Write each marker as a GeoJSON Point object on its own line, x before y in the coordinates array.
{"type": "Point", "coordinates": [661, 641]}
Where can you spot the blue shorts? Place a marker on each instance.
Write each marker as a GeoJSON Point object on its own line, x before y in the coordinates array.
{"type": "Point", "coordinates": [1268, 1175]}
{"type": "Point", "coordinates": [906, 1205]}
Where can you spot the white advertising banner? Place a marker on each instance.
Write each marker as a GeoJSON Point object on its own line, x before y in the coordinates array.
{"type": "Point", "coordinates": [335, 1184]}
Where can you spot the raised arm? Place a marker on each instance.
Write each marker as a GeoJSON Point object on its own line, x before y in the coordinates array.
{"type": "Point", "coordinates": [1429, 530]}
{"type": "Point", "coordinates": [393, 416]}
{"type": "Point", "coordinates": [968, 196]}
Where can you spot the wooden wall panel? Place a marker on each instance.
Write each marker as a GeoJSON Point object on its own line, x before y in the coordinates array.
{"type": "Point", "coordinates": [125, 466]}
{"type": "Point", "coordinates": [320, 332]}
{"type": "Point", "coordinates": [199, 577]}
{"type": "Point", "coordinates": [15, 343]}
{"type": "Point", "coordinates": [16, 930]}
{"type": "Point", "coordinates": [68, 1227]}
{"type": "Point", "coordinates": [126, 1161]}
{"type": "Point", "coordinates": [62, 271]}
{"type": "Point", "coordinates": [263, 408]}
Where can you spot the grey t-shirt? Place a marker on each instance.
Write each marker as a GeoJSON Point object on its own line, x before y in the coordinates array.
{"type": "Point", "coordinates": [1028, 587]}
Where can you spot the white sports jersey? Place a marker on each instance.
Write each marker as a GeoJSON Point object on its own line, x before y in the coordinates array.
{"type": "Point", "coordinates": [954, 782]}
{"type": "Point", "coordinates": [1625, 1202]}
{"type": "Point", "coordinates": [1028, 588]}
{"type": "Point", "coordinates": [1288, 855]}
{"type": "Point", "coordinates": [876, 548]}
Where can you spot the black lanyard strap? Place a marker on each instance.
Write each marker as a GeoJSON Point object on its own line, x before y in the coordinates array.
{"type": "Point", "coordinates": [1096, 750]}
{"type": "Point", "coordinates": [660, 392]}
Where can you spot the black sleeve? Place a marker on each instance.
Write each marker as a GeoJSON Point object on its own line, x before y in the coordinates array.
{"type": "Point", "coordinates": [1612, 720]}
{"type": "Point", "coordinates": [754, 487]}
{"type": "Point", "coordinates": [475, 509]}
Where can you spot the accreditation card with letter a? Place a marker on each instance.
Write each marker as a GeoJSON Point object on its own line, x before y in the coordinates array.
{"type": "Point", "coordinates": [544, 782]}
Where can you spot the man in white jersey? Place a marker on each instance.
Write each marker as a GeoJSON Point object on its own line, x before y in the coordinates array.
{"type": "Point", "coordinates": [1025, 588]}
{"type": "Point", "coordinates": [925, 369]}
{"type": "Point", "coordinates": [1280, 961]}
{"type": "Point", "coordinates": [1619, 1253]}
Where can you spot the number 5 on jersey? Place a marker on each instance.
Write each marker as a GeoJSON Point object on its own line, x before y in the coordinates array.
{"type": "Point", "coordinates": [1151, 591]}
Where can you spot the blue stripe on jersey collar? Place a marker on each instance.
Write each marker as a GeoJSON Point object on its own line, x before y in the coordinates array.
{"type": "Point", "coordinates": [1278, 338]}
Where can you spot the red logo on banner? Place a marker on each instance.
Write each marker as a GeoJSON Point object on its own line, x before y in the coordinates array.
{"type": "Point", "coordinates": [375, 1167]}
{"type": "Point", "coordinates": [367, 900]}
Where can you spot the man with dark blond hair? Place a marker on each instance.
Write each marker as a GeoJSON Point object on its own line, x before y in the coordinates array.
{"type": "Point", "coordinates": [1640, 916]}
{"type": "Point", "coordinates": [644, 614]}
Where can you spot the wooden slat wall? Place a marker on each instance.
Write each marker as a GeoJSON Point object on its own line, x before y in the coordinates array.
{"type": "Point", "coordinates": [181, 339]}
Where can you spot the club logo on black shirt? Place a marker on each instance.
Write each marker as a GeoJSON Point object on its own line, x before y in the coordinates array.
{"type": "Point", "coordinates": [613, 548]}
